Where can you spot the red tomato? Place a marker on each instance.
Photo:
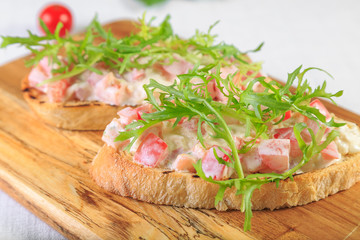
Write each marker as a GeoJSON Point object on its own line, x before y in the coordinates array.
{"type": "Point", "coordinates": [55, 13]}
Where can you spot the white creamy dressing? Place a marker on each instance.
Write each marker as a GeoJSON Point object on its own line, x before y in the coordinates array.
{"type": "Point", "coordinates": [184, 140]}
{"type": "Point", "coordinates": [349, 140]}
{"type": "Point", "coordinates": [134, 89]}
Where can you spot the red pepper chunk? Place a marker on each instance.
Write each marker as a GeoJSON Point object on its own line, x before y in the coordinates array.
{"type": "Point", "coordinates": [152, 151]}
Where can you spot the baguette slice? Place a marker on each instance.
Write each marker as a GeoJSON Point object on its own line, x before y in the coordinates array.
{"type": "Point", "coordinates": [73, 115]}
{"type": "Point", "coordinates": [77, 115]}
{"type": "Point", "coordinates": [117, 173]}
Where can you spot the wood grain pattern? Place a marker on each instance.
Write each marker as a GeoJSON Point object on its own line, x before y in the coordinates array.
{"type": "Point", "coordinates": [46, 170]}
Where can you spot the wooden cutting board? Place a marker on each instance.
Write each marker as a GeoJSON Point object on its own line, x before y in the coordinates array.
{"type": "Point", "coordinates": [46, 170]}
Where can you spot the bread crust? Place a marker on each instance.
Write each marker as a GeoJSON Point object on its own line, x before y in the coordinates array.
{"type": "Point", "coordinates": [72, 115]}
{"type": "Point", "coordinates": [116, 172]}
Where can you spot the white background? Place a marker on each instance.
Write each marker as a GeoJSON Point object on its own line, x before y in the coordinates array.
{"type": "Point", "coordinates": [324, 34]}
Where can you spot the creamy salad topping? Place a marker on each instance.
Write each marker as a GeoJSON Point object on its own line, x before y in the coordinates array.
{"type": "Point", "coordinates": [114, 70]}
{"type": "Point", "coordinates": [108, 87]}
{"type": "Point", "coordinates": [349, 140]}
{"type": "Point", "coordinates": [178, 148]}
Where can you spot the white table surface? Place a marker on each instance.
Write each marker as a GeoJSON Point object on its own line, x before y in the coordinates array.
{"type": "Point", "coordinates": [323, 33]}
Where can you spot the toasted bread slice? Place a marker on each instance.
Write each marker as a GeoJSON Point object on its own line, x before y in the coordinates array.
{"type": "Point", "coordinates": [116, 172]}
{"type": "Point", "coordinates": [77, 115]}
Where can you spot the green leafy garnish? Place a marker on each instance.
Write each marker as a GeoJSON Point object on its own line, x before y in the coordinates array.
{"type": "Point", "coordinates": [191, 99]}
{"type": "Point", "coordinates": [148, 45]}
{"type": "Point", "coordinates": [185, 99]}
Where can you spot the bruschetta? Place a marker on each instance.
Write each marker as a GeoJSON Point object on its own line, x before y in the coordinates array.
{"type": "Point", "coordinates": [80, 83]}
{"type": "Point", "coordinates": [241, 148]}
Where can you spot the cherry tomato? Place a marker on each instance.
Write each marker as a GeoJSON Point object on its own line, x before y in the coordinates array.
{"type": "Point", "coordinates": [55, 13]}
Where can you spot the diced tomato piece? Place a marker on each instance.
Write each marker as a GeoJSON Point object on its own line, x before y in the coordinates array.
{"type": "Point", "coordinates": [226, 71]}
{"type": "Point", "coordinates": [211, 166]}
{"type": "Point", "coordinates": [179, 66]}
{"type": "Point", "coordinates": [152, 151]}
{"type": "Point", "coordinates": [134, 75]}
{"type": "Point", "coordinates": [284, 133]}
{"type": "Point", "coordinates": [56, 91]}
{"type": "Point", "coordinates": [330, 152]}
{"type": "Point", "coordinates": [41, 72]}
{"type": "Point", "coordinates": [215, 92]}
{"type": "Point", "coordinates": [110, 90]}
{"type": "Point", "coordinates": [180, 122]}
{"type": "Point", "coordinates": [127, 115]}
{"type": "Point", "coordinates": [94, 78]}
{"type": "Point", "coordinates": [211, 87]}
{"type": "Point", "coordinates": [318, 104]}
{"type": "Point", "coordinates": [184, 162]}
{"type": "Point", "coordinates": [314, 126]}
{"type": "Point", "coordinates": [287, 115]}
{"type": "Point", "coordinates": [275, 154]}
{"type": "Point", "coordinates": [240, 142]}
{"type": "Point", "coordinates": [146, 108]}
{"type": "Point", "coordinates": [238, 78]}
{"type": "Point", "coordinates": [36, 76]}
{"type": "Point", "coordinates": [288, 133]}
{"type": "Point", "coordinates": [251, 72]}
{"type": "Point", "coordinates": [258, 87]}
{"type": "Point", "coordinates": [191, 125]}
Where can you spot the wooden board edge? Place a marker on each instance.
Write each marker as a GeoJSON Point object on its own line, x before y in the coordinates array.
{"type": "Point", "coordinates": [43, 208]}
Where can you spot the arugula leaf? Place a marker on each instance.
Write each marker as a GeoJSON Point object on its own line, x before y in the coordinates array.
{"type": "Point", "coordinates": [188, 99]}
{"type": "Point", "coordinates": [157, 44]}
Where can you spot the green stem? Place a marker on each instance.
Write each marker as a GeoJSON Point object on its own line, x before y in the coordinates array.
{"type": "Point", "coordinates": [230, 140]}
